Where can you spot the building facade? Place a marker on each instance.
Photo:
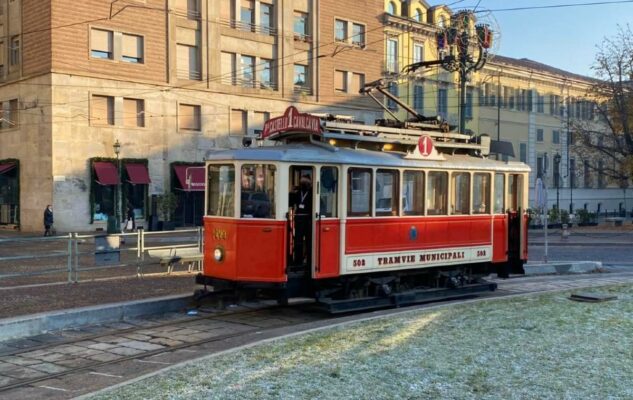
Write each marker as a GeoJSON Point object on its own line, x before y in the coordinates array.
{"type": "Point", "coordinates": [166, 81]}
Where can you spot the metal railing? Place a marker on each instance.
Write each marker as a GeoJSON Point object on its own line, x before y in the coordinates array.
{"type": "Point", "coordinates": [28, 261]}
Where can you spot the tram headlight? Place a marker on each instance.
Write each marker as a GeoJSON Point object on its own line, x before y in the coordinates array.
{"type": "Point", "coordinates": [218, 254]}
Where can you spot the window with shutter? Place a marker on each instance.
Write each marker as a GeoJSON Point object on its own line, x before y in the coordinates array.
{"type": "Point", "coordinates": [132, 49]}
{"type": "Point", "coordinates": [340, 81]}
{"type": "Point", "coordinates": [133, 113]}
{"type": "Point", "coordinates": [101, 44]}
{"type": "Point", "coordinates": [189, 117]}
{"type": "Point", "coordinates": [102, 110]}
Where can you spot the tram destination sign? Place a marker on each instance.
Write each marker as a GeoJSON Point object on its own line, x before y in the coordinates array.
{"type": "Point", "coordinates": [291, 121]}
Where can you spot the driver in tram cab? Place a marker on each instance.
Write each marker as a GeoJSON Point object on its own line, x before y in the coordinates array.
{"type": "Point", "coordinates": [301, 200]}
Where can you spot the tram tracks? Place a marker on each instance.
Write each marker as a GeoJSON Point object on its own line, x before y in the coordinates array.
{"type": "Point", "coordinates": [204, 335]}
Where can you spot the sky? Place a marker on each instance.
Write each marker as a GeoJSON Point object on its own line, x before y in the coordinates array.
{"type": "Point", "coordinates": [564, 38]}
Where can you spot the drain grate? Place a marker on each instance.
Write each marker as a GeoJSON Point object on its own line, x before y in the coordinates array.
{"type": "Point", "coordinates": [592, 297]}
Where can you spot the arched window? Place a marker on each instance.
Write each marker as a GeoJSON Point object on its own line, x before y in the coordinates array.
{"type": "Point", "coordinates": [442, 22]}
{"type": "Point", "coordinates": [418, 15]}
{"type": "Point", "coordinates": [392, 9]}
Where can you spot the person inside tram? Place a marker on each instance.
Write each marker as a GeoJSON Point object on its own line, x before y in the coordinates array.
{"type": "Point", "coordinates": [301, 201]}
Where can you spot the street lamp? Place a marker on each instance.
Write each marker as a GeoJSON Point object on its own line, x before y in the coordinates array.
{"type": "Point", "coordinates": [557, 158]}
{"type": "Point", "coordinates": [117, 212]}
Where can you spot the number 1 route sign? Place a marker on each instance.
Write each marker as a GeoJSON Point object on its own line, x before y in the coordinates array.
{"type": "Point", "coordinates": [425, 145]}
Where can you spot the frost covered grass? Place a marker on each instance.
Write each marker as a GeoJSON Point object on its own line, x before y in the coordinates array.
{"type": "Point", "coordinates": [542, 346]}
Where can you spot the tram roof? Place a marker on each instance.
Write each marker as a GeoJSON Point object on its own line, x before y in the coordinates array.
{"type": "Point", "coordinates": [313, 154]}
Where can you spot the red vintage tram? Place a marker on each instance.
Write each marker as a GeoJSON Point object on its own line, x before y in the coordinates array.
{"type": "Point", "coordinates": [386, 215]}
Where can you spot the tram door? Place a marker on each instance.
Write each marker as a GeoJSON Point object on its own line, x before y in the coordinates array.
{"type": "Point", "coordinates": [300, 219]}
{"type": "Point", "coordinates": [515, 219]}
{"type": "Point", "coordinates": [327, 225]}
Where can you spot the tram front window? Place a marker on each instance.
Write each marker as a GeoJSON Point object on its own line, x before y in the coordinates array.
{"type": "Point", "coordinates": [221, 189]}
{"type": "Point", "coordinates": [257, 191]}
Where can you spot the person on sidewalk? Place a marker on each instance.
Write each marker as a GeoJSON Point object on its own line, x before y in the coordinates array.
{"type": "Point", "coordinates": [48, 220]}
{"type": "Point", "coordinates": [130, 223]}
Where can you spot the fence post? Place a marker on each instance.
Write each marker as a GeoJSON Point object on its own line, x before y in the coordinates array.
{"type": "Point", "coordinates": [76, 248]}
{"type": "Point", "coordinates": [140, 251]}
{"type": "Point", "coordinates": [70, 257]}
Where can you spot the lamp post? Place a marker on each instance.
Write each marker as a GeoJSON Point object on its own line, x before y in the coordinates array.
{"type": "Point", "coordinates": [117, 209]}
{"type": "Point", "coordinates": [557, 158]}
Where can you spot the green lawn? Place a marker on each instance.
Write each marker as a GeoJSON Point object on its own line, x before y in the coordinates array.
{"type": "Point", "coordinates": [542, 346]}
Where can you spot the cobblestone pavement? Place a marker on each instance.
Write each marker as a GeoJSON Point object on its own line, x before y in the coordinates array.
{"type": "Point", "coordinates": [70, 363]}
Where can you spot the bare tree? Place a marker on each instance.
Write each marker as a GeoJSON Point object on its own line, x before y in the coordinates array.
{"type": "Point", "coordinates": [605, 139]}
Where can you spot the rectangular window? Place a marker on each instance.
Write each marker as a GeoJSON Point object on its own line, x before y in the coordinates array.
{"type": "Point", "coordinates": [259, 119]}
{"type": "Point", "coordinates": [301, 24]}
{"type": "Point", "coordinates": [248, 71]}
{"type": "Point", "coordinates": [572, 173]}
{"type": "Point", "coordinates": [9, 114]}
{"type": "Point", "coordinates": [101, 44]}
{"type": "Point", "coordinates": [460, 185]}
{"type": "Point", "coordinates": [301, 77]}
{"type": "Point", "coordinates": [14, 55]}
{"type": "Point", "coordinates": [132, 50]}
{"type": "Point", "coordinates": [340, 30]}
{"type": "Point", "coordinates": [514, 191]}
{"type": "Point", "coordinates": [328, 192]}
{"type": "Point", "coordinates": [359, 192]}
{"type": "Point", "coordinates": [418, 53]}
{"type": "Point", "coordinates": [247, 14]}
{"type": "Point", "coordinates": [258, 191]}
{"type": "Point", "coordinates": [102, 110]}
{"type": "Point", "coordinates": [437, 193]}
{"type": "Point", "coordinates": [539, 135]}
{"type": "Point", "coordinates": [587, 175]}
{"type": "Point", "coordinates": [523, 152]}
{"type": "Point", "coordinates": [386, 192]}
{"type": "Point", "coordinates": [602, 182]}
{"type": "Point", "coordinates": [228, 68]}
{"type": "Point", "coordinates": [570, 138]}
{"type": "Point", "coordinates": [188, 62]}
{"type": "Point", "coordinates": [540, 104]}
{"type": "Point", "coordinates": [556, 137]}
{"type": "Point", "coordinates": [392, 55]}
{"type": "Point", "coordinates": [481, 193]}
{"type": "Point", "coordinates": [442, 102]}
{"type": "Point", "coordinates": [340, 81]}
{"type": "Point", "coordinates": [499, 192]}
{"type": "Point", "coordinates": [266, 74]}
{"type": "Point", "coordinates": [393, 89]}
{"type": "Point", "coordinates": [221, 190]}
{"type": "Point", "coordinates": [358, 34]}
{"type": "Point", "coordinates": [358, 82]}
{"type": "Point", "coordinates": [239, 122]}
{"type": "Point", "coordinates": [189, 118]}
{"type": "Point", "coordinates": [418, 98]}
{"type": "Point", "coordinates": [133, 113]}
{"type": "Point", "coordinates": [266, 18]}
{"type": "Point", "coordinates": [468, 107]}
{"type": "Point", "coordinates": [188, 7]}
{"type": "Point", "coordinates": [413, 193]}
{"type": "Point", "coordinates": [3, 50]}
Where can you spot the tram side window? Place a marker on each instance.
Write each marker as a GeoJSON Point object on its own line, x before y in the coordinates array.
{"type": "Point", "coordinates": [329, 188]}
{"type": "Point", "coordinates": [413, 193]}
{"type": "Point", "coordinates": [514, 192]}
{"type": "Point", "coordinates": [461, 193]}
{"type": "Point", "coordinates": [499, 191]}
{"type": "Point", "coordinates": [437, 193]}
{"type": "Point", "coordinates": [258, 191]}
{"type": "Point", "coordinates": [221, 190]}
{"type": "Point", "coordinates": [386, 192]}
{"type": "Point", "coordinates": [359, 192]}
{"type": "Point", "coordinates": [481, 193]}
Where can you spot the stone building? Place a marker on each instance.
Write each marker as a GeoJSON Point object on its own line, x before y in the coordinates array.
{"type": "Point", "coordinates": [167, 80]}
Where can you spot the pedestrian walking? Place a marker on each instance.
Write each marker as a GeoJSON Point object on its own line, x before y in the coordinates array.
{"type": "Point", "coordinates": [130, 224]}
{"type": "Point", "coordinates": [48, 220]}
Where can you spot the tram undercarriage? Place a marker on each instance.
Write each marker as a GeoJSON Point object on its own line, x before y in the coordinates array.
{"type": "Point", "coordinates": [369, 291]}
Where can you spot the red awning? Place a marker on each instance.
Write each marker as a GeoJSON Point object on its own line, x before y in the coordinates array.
{"type": "Point", "coordinates": [106, 173]}
{"type": "Point", "coordinates": [137, 174]}
{"type": "Point", "coordinates": [195, 175]}
{"type": "Point", "coordinates": [6, 167]}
